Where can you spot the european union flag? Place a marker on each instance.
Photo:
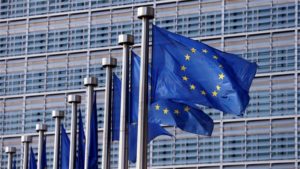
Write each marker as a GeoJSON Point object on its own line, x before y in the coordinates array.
{"type": "Point", "coordinates": [81, 144]}
{"type": "Point", "coordinates": [32, 161]}
{"type": "Point", "coordinates": [191, 72]}
{"type": "Point", "coordinates": [93, 148]}
{"type": "Point", "coordinates": [44, 155]}
{"type": "Point", "coordinates": [192, 120]}
{"type": "Point", "coordinates": [65, 149]}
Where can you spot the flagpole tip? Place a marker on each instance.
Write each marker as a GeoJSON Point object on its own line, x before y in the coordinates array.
{"type": "Point", "coordinates": [41, 127]}
{"type": "Point", "coordinates": [109, 62]}
{"type": "Point", "coordinates": [90, 81]}
{"type": "Point", "coordinates": [145, 11]}
{"type": "Point", "coordinates": [10, 149]}
{"type": "Point", "coordinates": [58, 114]}
{"type": "Point", "coordinates": [74, 99]}
{"type": "Point", "coordinates": [26, 139]}
{"type": "Point", "coordinates": [126, 39]}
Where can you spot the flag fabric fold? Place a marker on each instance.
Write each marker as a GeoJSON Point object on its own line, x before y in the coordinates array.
{"type": "Point", "coordinates": [44, 155]}
{"type": "Point", "coordinates": [80, 144]}
{"type": "Point", "coordinates": [93, 148]}
{"type": "Point", "coordinates": [32, 161]}
{"type": "Point", "coordinates": [193, 120]}
{"type": "Point", "coordinates": [193, 73]}
{"type": "Point", "coordinates": [14, 165]}
{"type": "Point", "coordinates": [65, 149]}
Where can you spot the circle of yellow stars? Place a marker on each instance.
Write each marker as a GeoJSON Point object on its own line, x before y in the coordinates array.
{"type": "Point", "coordinates": [192, 87]}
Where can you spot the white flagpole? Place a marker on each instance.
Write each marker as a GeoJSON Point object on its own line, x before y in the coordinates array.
{"type": "Point", "coordinates": [126, 41]}
{"type": "Point", "coordinates": [57, 115]}
{"type": "Point", "coordinates": [73, 100]}
{"type": "Point", "coordinates": [108, 64]}
{"type": "Point", "coordinates": [90, 83]}
{"type": "Point", "coordinates": [145, 14]}
{"type": "Point", "coordinates": [40, 128]}
{"type": "Point", "coordinates": [25, 141]}
{"type": "Point", "coordinates": [10, 152]}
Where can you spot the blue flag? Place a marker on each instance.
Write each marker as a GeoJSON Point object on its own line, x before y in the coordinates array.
{"type": "Point", "coordinates": [182, 116]}
{"type": "Point", "coordinates": [196, 121]}
{"type": "Point", "coordinates": [44, 155]}
{"type": "Point", "coordinates": [65, 149]}
{"type": "Point", "coordinates": [93, 149]}
{"type": "Point", "coordinates": [194, 73]}
{"type": "Point", "coordinates": [15, 165]}
{"type": "Point", "coordinates": [116, 108]}
{"type": "Point", "coordinates": [32, 161]}
{"type": "Point", "coordinates": [81, 144]}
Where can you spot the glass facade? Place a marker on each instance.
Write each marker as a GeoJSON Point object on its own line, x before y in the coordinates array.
{"type": "Point", "coordinates": [48, 47]}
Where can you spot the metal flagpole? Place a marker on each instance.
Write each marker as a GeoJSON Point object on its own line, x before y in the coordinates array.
{"type": "Point", "coordinates": [74, 100]}
{"type": "Point", "coordinates": [126, 41]}
{"type": "Point", "coordinates": [90, 83]}
{"type": "Point", "coordinates": [145, 14]}
{"type": "Point", "coordinates": [57, 115]}
{"type": "Point", "coordinates": [10, 151]}
{"type": "Point", "coordinates": [108, 63]}
{"type": "Point", "coordinates": [40, 128]}
{"type": "Point", "coordinates": [25, 140]}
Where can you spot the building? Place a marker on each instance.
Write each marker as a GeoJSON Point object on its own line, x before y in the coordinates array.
{"type": "Point", "coordinates": [47, 47]}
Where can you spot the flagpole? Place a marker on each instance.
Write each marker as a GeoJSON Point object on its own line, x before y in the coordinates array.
{"type": "Point", "coordinates": [40, 128]}
{"type": "Point", "coordinates": [57, 115]}
{"type": "Point", "coordinates": [10, 152]}
{"type": "Point", "coordinates": [90, 83]}
{"type": "Point", "coordinates": [126, 41]}
{"type": "Point", "coordinates": [145, 14]}
{"type": "Point", "coordinates": [108, 64]}
{"type": "Point", "coordinates": [25, 141]}
{"type": "Point", "coordinates": [73, 100]}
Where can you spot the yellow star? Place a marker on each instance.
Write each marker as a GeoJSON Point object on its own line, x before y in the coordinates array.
{"type": "Point", "coordinates": [193, 50]}
{"type": "Point", "coordinates": [215, 57]}
{"type": "Point", "coordinates": [187, 57]}
{"type": "Point", "coordinates": [187, 108]}
{"type": "Point", "coordinates": [185, 78]}
{"type": "Point", "coordinates": [193, 87]}
{"type": "Point", "coordinates": [157, 107]}
{"type": "Point", "coordinates": [214, 93]}
{"type": "Point", "coordinates": [176, 111]}
{"type": "Point", "coordinates": [218, 87]}
{"type": "Point", "coordinates": [203, 92]}
{"type": "Point", "coordinates": [220, 66]}
{"type": "Point", "coordinates": [166, 111]}
{"type": "Point", "coordinates": [221, 76]}
{"type": "Point", "coordinates": [183, 68]}
{"type": "Point", "coordinates": [204, 51]}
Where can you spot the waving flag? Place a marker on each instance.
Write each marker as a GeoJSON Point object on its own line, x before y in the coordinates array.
{"type": "Point", "coordinates": [191, 72]}
{"type": "Point", "coordinates": [81, 144]}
